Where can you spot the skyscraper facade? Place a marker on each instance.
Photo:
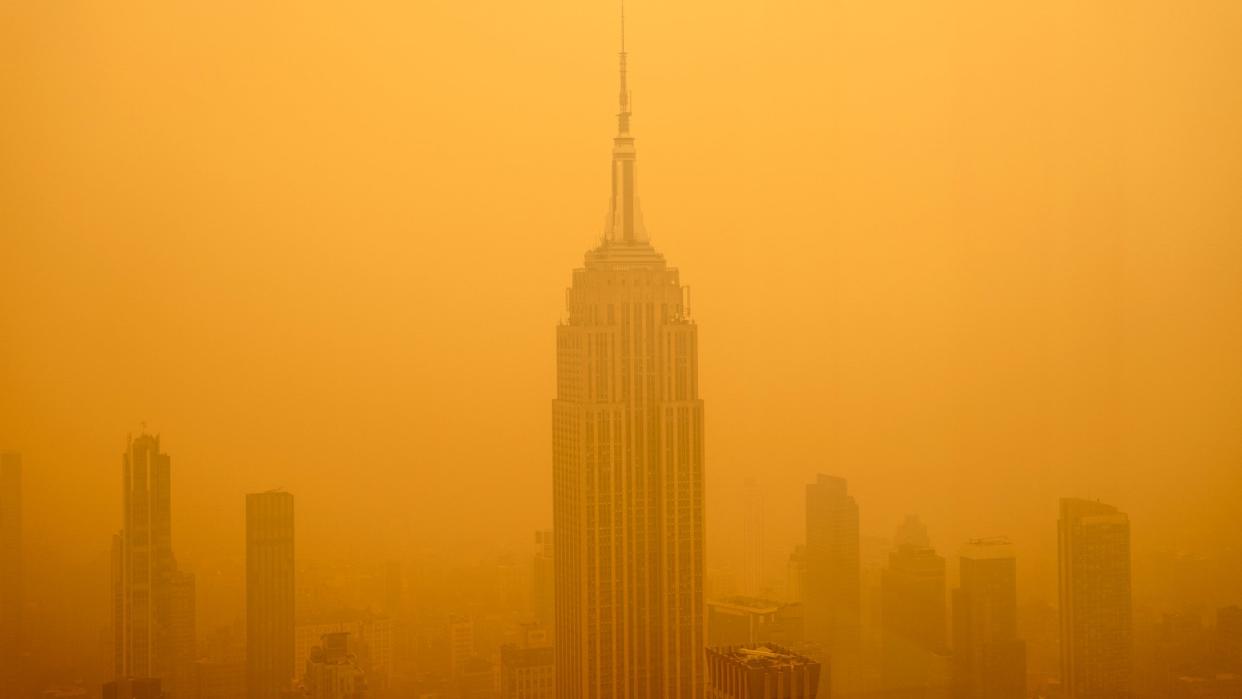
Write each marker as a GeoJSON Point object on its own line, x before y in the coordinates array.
{"type": "Point", "coordinates": [833, 590]}
{"type": "Point", "coordinates": [269, 594]}
{"type": "Point", "coordinates": [1094, 583]}
{"type": "Point", "coordinates": [913, 587]}
{"type": "Point", "coordinates": [628, 465]}
{"type": "Point", "coordinates": [10, 568]}
{"type": "Point", "coordinates": [149, 611]}
{"type": "Point", "coordinates": [989, 661]}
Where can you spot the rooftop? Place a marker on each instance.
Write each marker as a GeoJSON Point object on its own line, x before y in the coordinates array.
{"type": "Point", "coordinates": [762, 655]}
{"type": "Point", "coordinates": [746, 604]}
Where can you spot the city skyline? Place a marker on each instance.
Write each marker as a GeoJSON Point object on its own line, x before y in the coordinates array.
{"type": "Point", "coordinates": [924, 277]}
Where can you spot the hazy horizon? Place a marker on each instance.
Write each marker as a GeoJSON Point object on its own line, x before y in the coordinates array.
{"type": "Point", "coordinates": [971, 258]}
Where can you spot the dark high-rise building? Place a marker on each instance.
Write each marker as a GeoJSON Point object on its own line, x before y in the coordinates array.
{"type": "Point", "coordinates": [913, 616]}
{"type": "Point", "coordinates": [269, 594]}
{"type": "Point", "coordinates": [913, 591]}
{"type": "Point", "coordinates": [628, 465]}
{"type": "Point", "coordinates": [10, 568]}
{"type": "Point", "coordinates": [761, 671]}
{"type": "Point", "coordinates": [989, 661]}
{"type": "Point", "coordinates": [833, 592]}
{"type": "Point", "coordinates": [149, 606]}
{"type": "Point", "coordinates": [1094, 583]}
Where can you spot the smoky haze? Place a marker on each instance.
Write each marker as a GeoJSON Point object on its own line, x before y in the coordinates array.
{"type": "Point", "coordinates": [971, 258]}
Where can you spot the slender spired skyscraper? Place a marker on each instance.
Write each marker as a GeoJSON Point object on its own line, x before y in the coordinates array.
{"type": "Point", "coordinates": [1094, 580]}
{"type": "Point", "coordinates": [269, 594]}
{"type": "Point", "coordinates": [151, 609]}
{"type": "Point", "coordinates": [10, 568]}
{"type": "Point", "coordinates": [146, 562]}
{"type": "Point", "coordinates": [833, 591]}
{"type": "Point", "coordinates": [628, 465]}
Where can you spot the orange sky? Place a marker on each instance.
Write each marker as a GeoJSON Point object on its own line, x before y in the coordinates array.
{"type": "Point", "coordinates": [970, 257]}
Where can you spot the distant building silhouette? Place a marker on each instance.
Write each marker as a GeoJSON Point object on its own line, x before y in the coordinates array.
{"type": "Point", "coordinates": [11, 569]}
{"type": "Point", "coordinates": [527, 668]}
{"type": "Point", "coordinates": [628, 465]}
{"type": "Point", "coordinates": [332, 671]}
{"type": "Point", "coordinates": [913, 590]}
{"type": "Point", "coordinates": [913, 616]}
{"type": "Point", "coordinates": [269, 594]}
{"type": "Point", "coordinates": [833, 590]}
{"type": "Point", "coordinates": [761, 671]}
{"type": "Point", "coordinates": [461, 644]}
{"type": "Point", "coordinates": [912, 532]}
{"type": "Point", "coordinates": [370, 643]}
{"type": "Point", "coordinates": [1094, 583]}
{"type": "Point", "coordinates": [151, 611]}
{"type": "Point", "coordinates": [989, 661]}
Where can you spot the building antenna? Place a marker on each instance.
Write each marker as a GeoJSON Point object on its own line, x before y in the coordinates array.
{"type": "Point", "coordinates": [623, 117]}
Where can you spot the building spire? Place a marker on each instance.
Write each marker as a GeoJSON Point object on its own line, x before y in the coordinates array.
{"type": "Point", "coordinates": [623, 116]}
{"type": "Point", "coordinates": [624, 219]}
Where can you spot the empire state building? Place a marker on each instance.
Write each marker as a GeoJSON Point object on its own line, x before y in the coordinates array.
{"type": "Point", "coordinates": [627, 434]}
